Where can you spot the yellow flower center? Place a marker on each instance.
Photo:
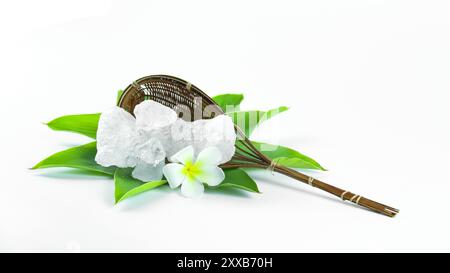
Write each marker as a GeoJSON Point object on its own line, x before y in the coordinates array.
{"type": "Point", "coordinates": [191, 170]}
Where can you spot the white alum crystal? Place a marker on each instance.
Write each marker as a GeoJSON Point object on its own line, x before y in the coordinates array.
{"type": "Point", "coordinates": [148, 172]}
{"type": "Point", "coordinates": [150, 152]}
{"type": "Point", "coordinates": [216, 132]}
{"type": "Point", "coordinates": [116, 136]}
{"type": "Point", "coordinates": [179, 137]}
{"type": "Point", "coordinates": [151, 115]}
{"type": "Point", "coordinates": [151, 158]}
{"type": "Point", "coordinates": [144, 142]}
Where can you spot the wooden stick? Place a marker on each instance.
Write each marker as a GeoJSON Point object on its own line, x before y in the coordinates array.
{"type": "Point", "coordinates": [344, 195]}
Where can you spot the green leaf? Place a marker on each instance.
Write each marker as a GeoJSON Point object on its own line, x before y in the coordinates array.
{"type": "Point", "coordinates": [237, 178]}
{"type": "Point", "coordinates": [126, 186]}
{"type": "Point", "coordinates": [228, 102]}
{"type": "Point", "coordinates": [288, 157]}
{"type": "Point", "coordinates": [85, 124]}
{"type": "Point", "coordinates": [119, 95]}
{"type": "Point", "coordinates": [249, 120]}
{"type": "Point", "coordinates": [80, 157]}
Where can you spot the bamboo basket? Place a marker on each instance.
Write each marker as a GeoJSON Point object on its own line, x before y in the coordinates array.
{"type": "Point", "coordinates": [178, 94]}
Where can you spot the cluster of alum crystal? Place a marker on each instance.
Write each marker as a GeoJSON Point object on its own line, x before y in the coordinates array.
{"type": "Point", "coordinates": [144, 142]}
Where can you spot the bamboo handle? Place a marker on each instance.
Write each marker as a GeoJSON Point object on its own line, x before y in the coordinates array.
{"type": "Point", "coordinates": [344, 195]}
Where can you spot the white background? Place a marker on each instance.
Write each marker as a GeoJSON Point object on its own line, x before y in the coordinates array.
{"type": "Point", "coordinates": [367, 82]}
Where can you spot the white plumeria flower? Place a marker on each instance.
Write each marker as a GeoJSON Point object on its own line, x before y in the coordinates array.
{"type": "Point", "coordinates": [191, 173]}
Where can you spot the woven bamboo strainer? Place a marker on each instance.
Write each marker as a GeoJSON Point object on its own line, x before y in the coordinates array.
{"type": "Point", "coordinates": [177, 93]}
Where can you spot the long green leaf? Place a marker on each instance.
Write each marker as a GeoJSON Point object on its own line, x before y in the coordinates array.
{"type": "Point", "coordinates": [237, 178]}
{"type": "Point", "coordinates": [228, 102]}
{"type": "Point", "coordinates": [126, 186]}
{"type": "Point", "coordinates": [85, 124]}
{"type": "Point", "coordinates": [80, 157]}
{"type": "Point", "coordinates": [119, 95]}
{"type": "Point", "coordinates": [288, 157]}
{"type": "Point", "coordinates": [249, 120]}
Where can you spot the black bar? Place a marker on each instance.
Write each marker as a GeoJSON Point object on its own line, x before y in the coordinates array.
{"type": "Point", "coordinates": [223, 262]}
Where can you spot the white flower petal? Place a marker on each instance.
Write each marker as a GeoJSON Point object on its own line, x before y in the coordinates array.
{"type": "Point", "coordinates": [148, 172]}
{"type": "Point", "coordinates": [216, 132]}
{"type": "Point", "coordinates": [211, 175]}
{"type": "Point", "coordinates": [173, 172]}
{"type": "Point", "coordinates": [209, 156]}
{"type": "Point", "coordinates": [185, 155]}
{"type": "Point", "coordinates": [115, 138]}
{"type": "Point", "coordinates": [192, 188]}
{"type": "Point", "coordinates": [152, 115]}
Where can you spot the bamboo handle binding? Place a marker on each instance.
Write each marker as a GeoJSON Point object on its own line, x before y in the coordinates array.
{"type": "Point", "coordinates": [344, 195]}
